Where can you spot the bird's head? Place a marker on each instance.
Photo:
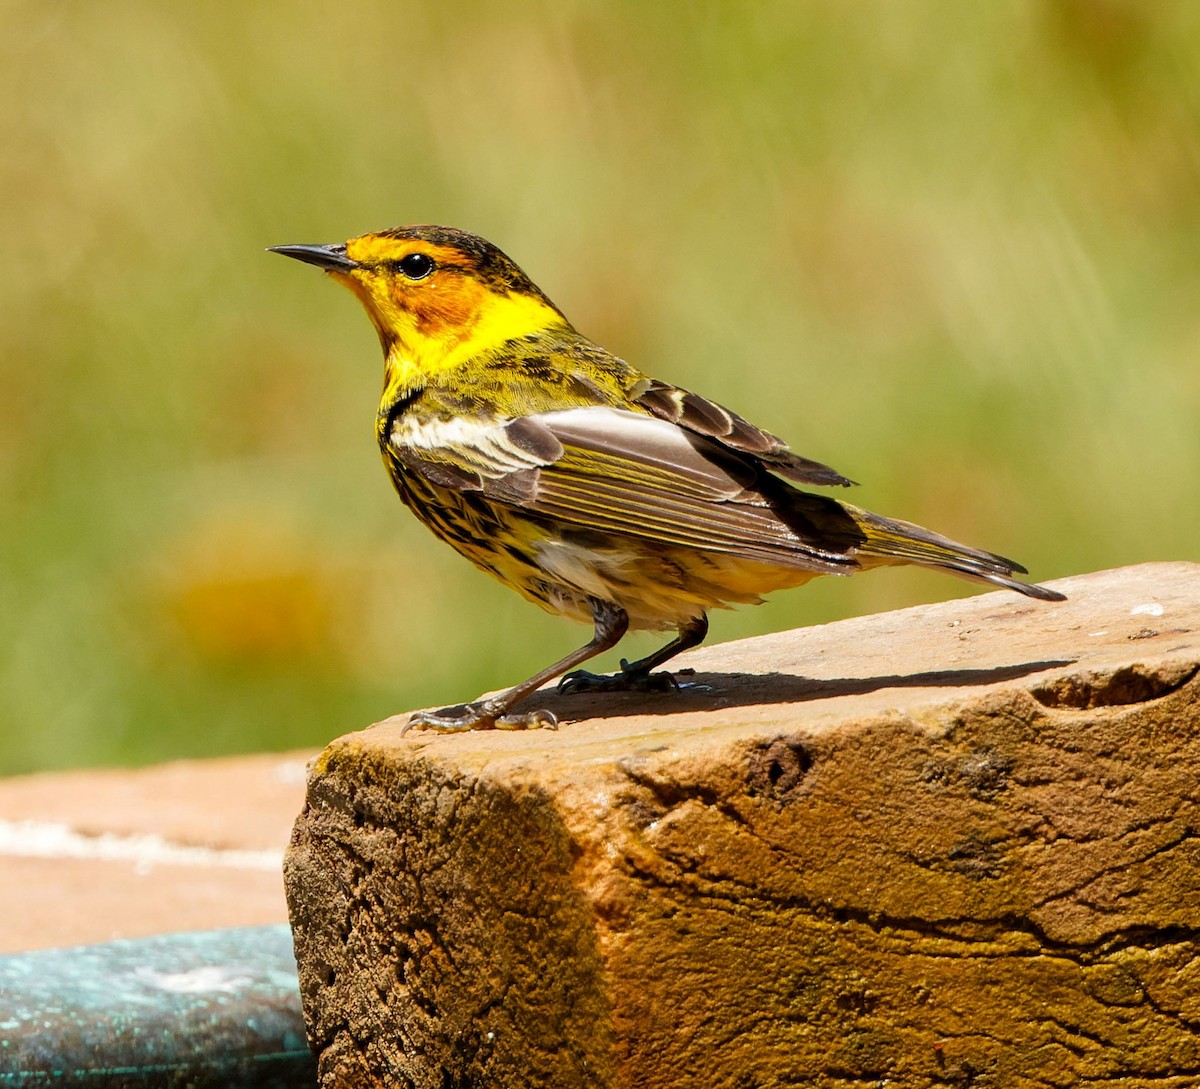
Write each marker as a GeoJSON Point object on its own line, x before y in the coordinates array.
{"type": "Point", "coordinates": [436, 295]}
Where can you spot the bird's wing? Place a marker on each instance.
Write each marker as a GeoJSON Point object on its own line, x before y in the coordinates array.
{"type": "Point", "coordinates": [614, 471]}
{"type": "Point", "coordinates": [704, 417]}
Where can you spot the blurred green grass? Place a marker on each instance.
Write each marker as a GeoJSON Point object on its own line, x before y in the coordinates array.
{"type": "Point", "coordinates": [950, 249]}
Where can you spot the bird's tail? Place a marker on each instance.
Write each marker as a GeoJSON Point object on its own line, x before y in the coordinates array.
{"type": "Point", "coordinates": [889, 540]}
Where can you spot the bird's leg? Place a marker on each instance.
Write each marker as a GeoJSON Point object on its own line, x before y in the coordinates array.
{"type": "Point", "coordinates": [637, 676]}
{"type": "Point", "coordinates": [495, 713]}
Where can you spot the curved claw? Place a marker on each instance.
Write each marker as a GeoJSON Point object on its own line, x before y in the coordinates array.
{"type": "Point", "coordinates": [530, 720]}
{"type": "Point", "coordinates": [626, 681]}
{"type": "Point", "coordinates": [580, 680]}
{"type": "Point", "coordinates": [483, 715]}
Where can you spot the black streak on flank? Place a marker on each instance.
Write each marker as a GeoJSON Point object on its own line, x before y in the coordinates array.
{"type": "Point", "coordinates": [394, 411]}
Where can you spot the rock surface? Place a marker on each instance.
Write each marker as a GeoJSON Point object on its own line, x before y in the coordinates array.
{"type": "Point", "coordinates": [952, 845]}
{"type": "Point", "coordinates": [89, 856]}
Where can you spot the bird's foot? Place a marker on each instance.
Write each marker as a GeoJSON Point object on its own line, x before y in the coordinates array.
{"type": "Point", "coordinates": [628, 680]}
{"type": "Point", "coordinates": [481, 715]}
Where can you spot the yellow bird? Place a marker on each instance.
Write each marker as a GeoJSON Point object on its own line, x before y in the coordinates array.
{"type": "Point", "coordinates": [589, 488]}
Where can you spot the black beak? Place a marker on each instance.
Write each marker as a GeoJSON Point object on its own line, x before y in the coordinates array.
{"type": "Point", "coordinates": [327, 257]}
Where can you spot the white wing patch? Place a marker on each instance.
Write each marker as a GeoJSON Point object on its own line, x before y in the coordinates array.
{"type": "Point", "coordinates": [497, 448]}
{"type": "Point", "coordinates": [485, 445]}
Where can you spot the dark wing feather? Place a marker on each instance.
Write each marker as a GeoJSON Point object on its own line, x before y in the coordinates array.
{"type": "Point", "coordinates": [619, 472]}
{"type": "Point", "coordinates": [704, 417]}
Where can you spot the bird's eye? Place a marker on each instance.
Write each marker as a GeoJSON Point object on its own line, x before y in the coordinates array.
{"type": "Point", "coordinates": [416, 266]}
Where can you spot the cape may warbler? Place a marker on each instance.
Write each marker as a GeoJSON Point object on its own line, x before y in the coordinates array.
{"type": "Point", "coordinates": [586, 486]}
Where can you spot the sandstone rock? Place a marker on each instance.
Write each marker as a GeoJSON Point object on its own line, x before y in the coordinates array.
{"type": "Point", "coordinates": [952, 845]}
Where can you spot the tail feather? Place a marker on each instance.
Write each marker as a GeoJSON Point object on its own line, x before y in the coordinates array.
{"type": "Point", "coordinates": [890, 540]}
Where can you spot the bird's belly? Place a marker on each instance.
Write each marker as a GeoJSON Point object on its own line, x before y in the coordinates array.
{"type": "Point", "coordinates": [659, 586]}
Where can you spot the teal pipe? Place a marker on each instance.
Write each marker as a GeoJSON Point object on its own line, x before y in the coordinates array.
{"type": "Point", "coordinates": [216, 1009]}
